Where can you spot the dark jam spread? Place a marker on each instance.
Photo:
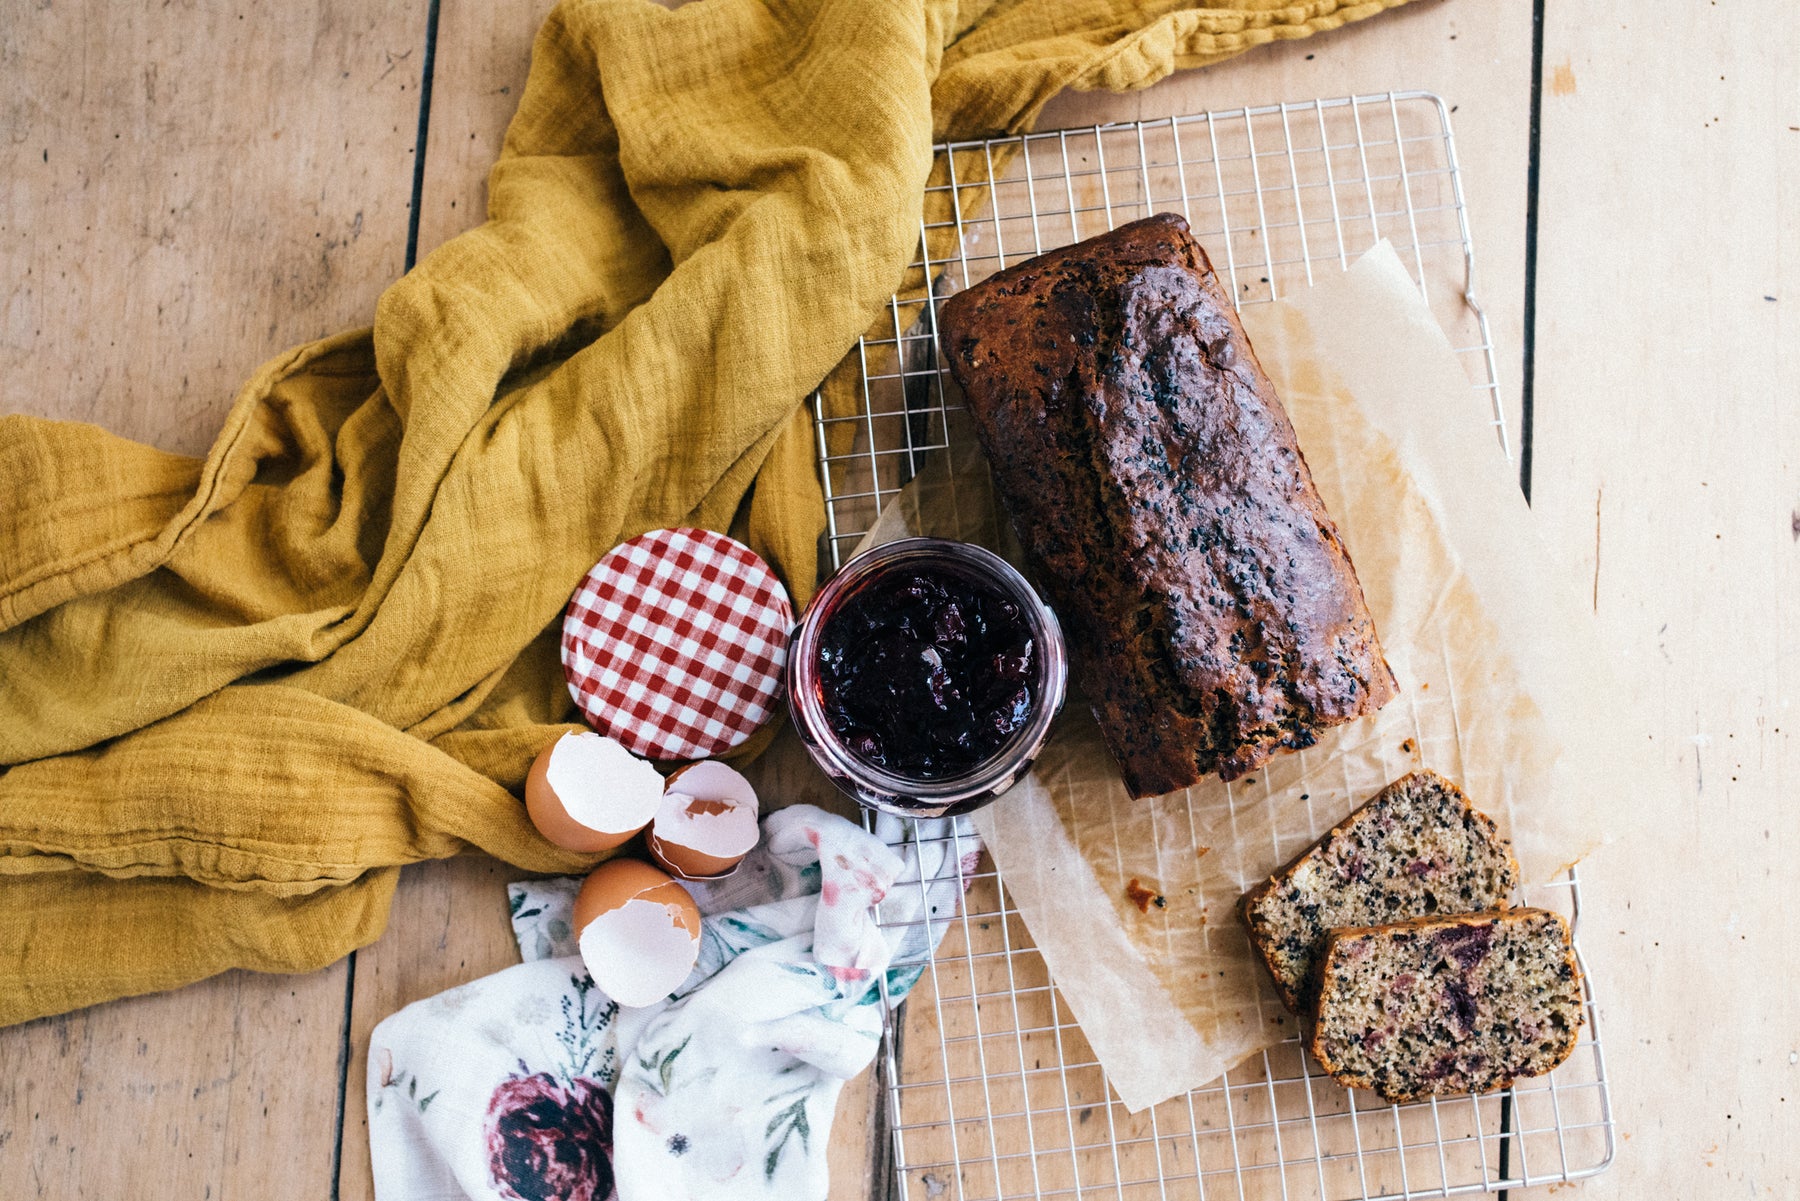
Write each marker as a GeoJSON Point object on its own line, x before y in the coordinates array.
{"type": "Point", "coordinates": [925, 673]}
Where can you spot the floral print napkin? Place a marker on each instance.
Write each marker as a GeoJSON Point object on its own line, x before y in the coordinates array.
{"type": "Point", "coordinates": [533, 1084]}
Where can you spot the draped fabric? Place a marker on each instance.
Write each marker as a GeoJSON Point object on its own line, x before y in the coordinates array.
{"type": "Point", "coordinates": [237, 693]}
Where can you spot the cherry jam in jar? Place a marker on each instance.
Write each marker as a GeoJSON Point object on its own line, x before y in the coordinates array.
{"type": "Point", "coordinates": [924, 677]}
{"type": "Point", "coordinates": [926, 672]}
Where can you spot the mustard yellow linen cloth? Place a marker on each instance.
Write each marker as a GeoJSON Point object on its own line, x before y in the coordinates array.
{"type": "Point", "coordinates": [237, 694]}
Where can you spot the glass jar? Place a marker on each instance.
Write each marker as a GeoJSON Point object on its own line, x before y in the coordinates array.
{"type": "Point", "coordinates": [877, 787]}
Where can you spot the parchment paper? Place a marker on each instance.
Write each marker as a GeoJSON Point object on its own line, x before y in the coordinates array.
{"type": "Point", "coordinates": [1502, 689]}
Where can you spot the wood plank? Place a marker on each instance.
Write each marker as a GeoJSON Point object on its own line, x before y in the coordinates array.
{"type": "Point", "coordinates": [482, 57]}
{"type": "Point", "coordinates": [199, 1090]}
{"type": "Point", "coordinates": [188, 191]}
{"type": "Point", "coordinates": [191, 190]}
{"type": "Point", "coordinates": [1667, 463]}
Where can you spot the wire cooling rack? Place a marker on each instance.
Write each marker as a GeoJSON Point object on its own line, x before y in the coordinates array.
{"type": "Point", "coordinates": [991, 1090]}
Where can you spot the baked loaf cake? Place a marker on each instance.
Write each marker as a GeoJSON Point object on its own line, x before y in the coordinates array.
{"type": "Point", "coordinates": [1417, 848]}
{"type": "Point", "coordinates": [1448, 1004]}
{"type": "Point", "coordinates": [1155, 484]}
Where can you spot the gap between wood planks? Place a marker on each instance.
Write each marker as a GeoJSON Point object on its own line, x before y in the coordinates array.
{"type": "Point", "coordinates": [1527, 405]}
{"type": "Point", "coordinates": [426, 68]}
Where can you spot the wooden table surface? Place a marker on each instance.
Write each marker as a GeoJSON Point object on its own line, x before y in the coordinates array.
{"type": "Point", "coordinates": [189, 189]}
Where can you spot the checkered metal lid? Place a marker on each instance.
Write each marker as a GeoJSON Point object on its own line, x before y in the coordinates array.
{"type": "Point", "coordinates": [675, 643]}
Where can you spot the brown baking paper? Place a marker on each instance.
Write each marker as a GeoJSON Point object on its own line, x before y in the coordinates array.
{"type": "Point", "coordinates": [1502, 689]}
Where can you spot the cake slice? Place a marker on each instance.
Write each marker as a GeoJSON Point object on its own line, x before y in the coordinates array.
{"type": "Point", "coordinates": [1417, 848]}
{"type": "Point", "coordinates": [1437, 1005]}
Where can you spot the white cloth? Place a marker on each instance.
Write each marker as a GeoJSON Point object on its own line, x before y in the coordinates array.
{"type": "Point", "coordinates": [532, 1084]}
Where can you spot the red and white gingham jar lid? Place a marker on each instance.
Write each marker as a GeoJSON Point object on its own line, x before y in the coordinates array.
{"type": "Point", "coordinates": [675, 643]}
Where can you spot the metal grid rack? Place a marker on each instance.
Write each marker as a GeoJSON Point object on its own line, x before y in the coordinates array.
{"type": "Point", "coordinates": [1272, 192]}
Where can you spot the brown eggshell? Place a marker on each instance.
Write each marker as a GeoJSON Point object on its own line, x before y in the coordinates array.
{"type": "Point", "coordinates": [692, 863]}
{"type": "Point", "coordinates": [619, 914]}
{"type": "Point", "coordinates": [619, 880]}
{"type": "Point", "coordinates": [700, 790]}
{"type": "Point", "coordinates": [607, 785]}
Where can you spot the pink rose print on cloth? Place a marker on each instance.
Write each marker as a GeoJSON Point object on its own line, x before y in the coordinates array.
{"type": "Point", "coordinates": [548, 1142]}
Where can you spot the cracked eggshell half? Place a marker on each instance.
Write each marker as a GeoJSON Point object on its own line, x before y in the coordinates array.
{"type": "Point", "coordinates": [587, 793]}
{"type": "Point", "coordinates": [638, 929]}
{"type": "Point", "coordinates": [706, 823]}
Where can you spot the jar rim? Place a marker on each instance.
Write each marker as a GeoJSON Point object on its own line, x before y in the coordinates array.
{"type": "Point", "coordinates": [993, 774]}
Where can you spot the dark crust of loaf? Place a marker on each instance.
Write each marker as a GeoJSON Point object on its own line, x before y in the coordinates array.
{"type": "Point", "coordinates": [1319, 1041]}
{"type": "Point", "coordinates": [1156, 485]}
{"type": "Point", "coordinates": [1265, 939]}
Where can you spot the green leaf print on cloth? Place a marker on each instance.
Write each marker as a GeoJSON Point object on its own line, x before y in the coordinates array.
{"type": "Point", "coordinates": [789, 1121]}
{"type": "Point", "coordinates": [661, 1065]}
